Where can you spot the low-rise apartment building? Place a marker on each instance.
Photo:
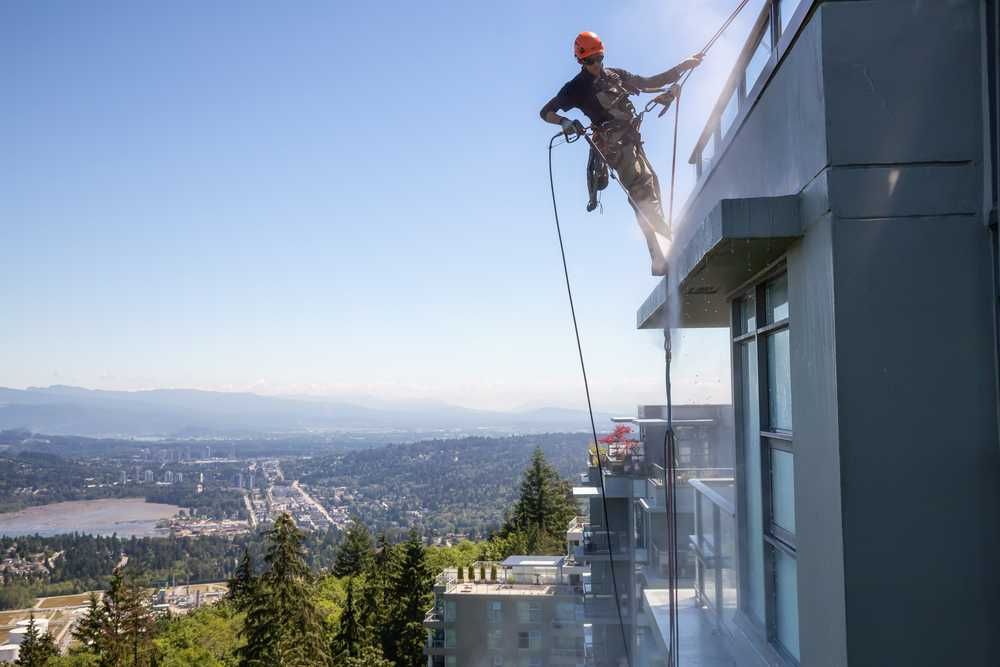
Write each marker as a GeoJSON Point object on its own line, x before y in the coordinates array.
{"type": "Point", "coordinates": [526, 611]}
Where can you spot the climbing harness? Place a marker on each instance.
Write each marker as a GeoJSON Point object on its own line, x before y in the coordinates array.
{"type": "Point", "coordinates": [672, 94]}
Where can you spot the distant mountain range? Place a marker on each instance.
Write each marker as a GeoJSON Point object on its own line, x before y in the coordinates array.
{"type": "Point", "coordinates": [63, 410]}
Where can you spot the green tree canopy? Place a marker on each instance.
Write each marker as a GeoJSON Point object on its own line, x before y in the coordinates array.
{"type": "Point", "coordinates": [283, 625]}
{"type": "Point", "coordinates": [355, 551]}
{"type": "Point", "coordinates": [36, 649]}
{"type": "Point", "coordinates": [410, 591]}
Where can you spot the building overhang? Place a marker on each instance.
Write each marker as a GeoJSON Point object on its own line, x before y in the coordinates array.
{"type": "Point", "coordinates": [714, 256]}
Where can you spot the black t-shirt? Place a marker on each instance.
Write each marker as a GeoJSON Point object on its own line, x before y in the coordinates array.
{"type": "Point", "coordinates": [579, 93]}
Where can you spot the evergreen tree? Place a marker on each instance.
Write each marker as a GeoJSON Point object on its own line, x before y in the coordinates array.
{"type": "Point", "coordinates": [410, 593]}
{"type": "Point", "coordinates": [351, 633]}
{"type": "Point", "coordinates": [544, 508]}
{"type": "Point", "coordinates": [283, 625]}
{"type": "Point", "coordinates": [242, 582]}
{"type": "Point", "coordinates": [355, 552]}
{"type": "Point", "coordinates": [126, 628]}
{"type": "Point", "coordinates": [375, 606]}
{"type": "Point", "coordinates": [371, 656]}
{"type": "Point", "coordinates": [88, 630]}
{"type": "Point", "coordinates": [36, 649]}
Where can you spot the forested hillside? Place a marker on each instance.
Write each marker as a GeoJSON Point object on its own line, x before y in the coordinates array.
{"type": "Point", "coordinates": [437, 486]}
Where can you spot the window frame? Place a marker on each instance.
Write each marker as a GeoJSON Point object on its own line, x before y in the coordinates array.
{"type": "Point", "coordinates": [770, 439]}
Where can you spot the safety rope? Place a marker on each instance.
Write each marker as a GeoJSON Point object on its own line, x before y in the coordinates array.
{"type": "Point", "coordinates": [590, 409]}
{"type": "Point", "coordinates": [669, 442]}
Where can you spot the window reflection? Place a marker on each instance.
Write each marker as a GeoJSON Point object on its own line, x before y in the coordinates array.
{"type": "Point", "coordinates": [779, 386]}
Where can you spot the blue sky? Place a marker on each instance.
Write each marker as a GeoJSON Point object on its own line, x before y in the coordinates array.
{"type": "Point", "coordinates": [331, 198]}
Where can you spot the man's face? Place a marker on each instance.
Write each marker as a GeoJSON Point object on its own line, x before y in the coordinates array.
{"type": "Point", "coordinates": [593, 64]}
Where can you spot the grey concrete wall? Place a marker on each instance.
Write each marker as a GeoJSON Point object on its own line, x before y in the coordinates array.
{"type": "Point", "coordinates": [914, 373]}
{"type": "Point", "coordinates": [822, 613]}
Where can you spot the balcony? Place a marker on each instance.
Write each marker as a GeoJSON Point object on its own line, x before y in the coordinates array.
{"type": "Point", "coordinates": [597, 542]}
{"type": "Point", "coordinates": [713, 545]}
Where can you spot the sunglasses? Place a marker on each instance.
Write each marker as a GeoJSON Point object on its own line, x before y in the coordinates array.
{"type": "Point", "coordinates": [594, 59]}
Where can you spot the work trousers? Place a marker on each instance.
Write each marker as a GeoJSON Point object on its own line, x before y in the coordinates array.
{"type": "Point", "coordinates": [628, 159]}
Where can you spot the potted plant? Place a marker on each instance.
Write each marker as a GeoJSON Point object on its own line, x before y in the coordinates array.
{"type": "Point", "coordinates": [493, 572]}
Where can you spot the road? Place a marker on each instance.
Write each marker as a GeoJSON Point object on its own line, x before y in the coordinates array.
{"type": "Point", "coordinates": [312, 501]}
{"type": "Point", "coordinates": [250, 512]}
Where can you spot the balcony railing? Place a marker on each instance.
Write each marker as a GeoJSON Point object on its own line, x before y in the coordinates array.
{"type": "Point", "coordinates": [714, 545]}
{"type": "Point", "coordinates": [770, 37]}
{"type": "Point", "coordinates": [596, 542]}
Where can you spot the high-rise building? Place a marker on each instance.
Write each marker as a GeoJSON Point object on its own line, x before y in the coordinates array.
{"type": "Point", "coordinates": [148, 477]}
{"type": "Point", "coordinates": [123, 477]}
{"type": "Point", "coordinates": [526, 610]}
{"type": "Point", "coordinates": [843, 228]}
{"type": "Point", "coordinates": [179, 477]}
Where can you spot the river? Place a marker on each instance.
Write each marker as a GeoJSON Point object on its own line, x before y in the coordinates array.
{"type": "Point", "coordinates": [125, 516]}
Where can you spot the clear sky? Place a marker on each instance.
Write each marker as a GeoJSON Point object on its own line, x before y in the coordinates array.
{"type": "Point", "coordinates": [330, 197]}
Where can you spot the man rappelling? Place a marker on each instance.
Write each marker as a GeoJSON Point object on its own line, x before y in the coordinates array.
{"type": "Point", "coordinates": [602, 94]}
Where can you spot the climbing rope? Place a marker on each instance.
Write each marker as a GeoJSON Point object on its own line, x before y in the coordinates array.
{"type": "Point", "coordinates": [669, 443]}
{"type": "Point", "coordinates": [590, 408]}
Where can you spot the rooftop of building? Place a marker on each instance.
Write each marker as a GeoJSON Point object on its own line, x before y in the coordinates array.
{"type": "Point", "coordinates": [517, 575]}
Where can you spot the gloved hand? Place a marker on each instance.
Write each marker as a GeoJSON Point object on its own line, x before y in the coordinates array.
{"type": "Point", "coordinates": [571, 128]}
{"type": "Point", "coordinates": [693, 61]}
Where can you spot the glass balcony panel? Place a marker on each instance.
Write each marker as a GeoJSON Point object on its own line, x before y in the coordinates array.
{"type": "Point", "coordinates": [708, 154]}
{"type": "Point", "coordinates": [729, 112]}
{"type": "Point", "coordinates": [786, 9]}
{"type": "Point", "coordinates": [761, 54]}
{"type": "Point", "coordinates": [779, 381]}
{"type": "Point", "coordinates": [783, 489]}
{"type": "Point", "coordinates": [727, 555]}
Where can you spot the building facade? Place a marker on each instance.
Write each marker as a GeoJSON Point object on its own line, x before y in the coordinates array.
{"type": "Point", "coordinates": [526, 611]}
{"type": "Point", "coordinates": [844, 229]}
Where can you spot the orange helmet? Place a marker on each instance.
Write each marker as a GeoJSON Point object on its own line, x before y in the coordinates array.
{"type": "Point", "coordinates": [587, 44]}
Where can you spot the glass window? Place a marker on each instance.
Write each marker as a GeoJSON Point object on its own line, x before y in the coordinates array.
{"type": "Point", "coordinates": [752, 488]}
{"type": "Point", "coordinates": [535, 639]}
{"type": "Point", "coordinates": [761, 54]}
{"type": "Point", "coordinates": [729, 112]}
{"type": "Point", "coordinates": [494, 611]}
{"type": "Point", "coordinates": [449, 611]}
{"type": "Point", "coordinates": [786, 601]}
{"type": "Point", "coordinates": [783, 489]}
{"type": "Point", "coordinates": [565, 611]}
{"type": "Point", "coordinates": [451, 661]}
{"type": "Point", "coordinates": [779, 381]}
{"type": "Point", "coordinates": [786, 9]}
{"type": "Point", "coordinates": [494, 639]}
{"type": "Point", "coordinates": [776, 299]}
{"type": "Point", "coordinates": [747, 314]}
{"type": "Point", "coordinates": [529, 612]}
{"type": "Point", "coordinates": [498, 661]}
{"type": "Point", "coordinates": [449, 637]}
